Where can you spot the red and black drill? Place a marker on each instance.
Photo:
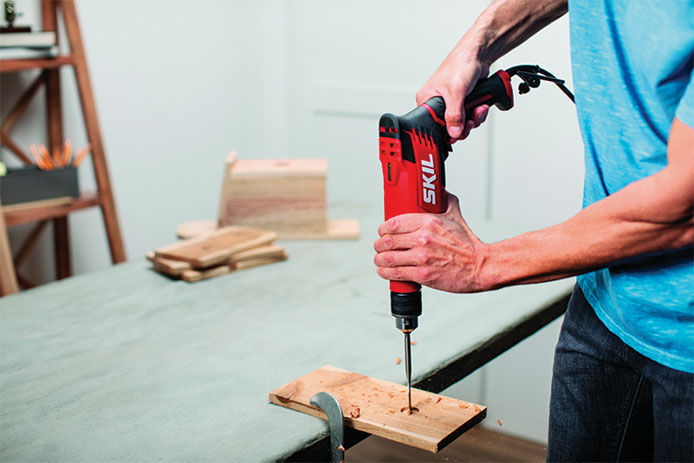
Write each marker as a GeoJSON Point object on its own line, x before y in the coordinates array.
{"type": "Point", "coordinates": [412, 149]}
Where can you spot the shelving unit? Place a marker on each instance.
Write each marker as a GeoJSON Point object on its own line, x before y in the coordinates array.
{"type": "Point", "coordinates": [57, 211]}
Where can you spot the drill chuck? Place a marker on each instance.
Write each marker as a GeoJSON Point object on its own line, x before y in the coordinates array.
{"type": "Point", "coordinates": [406, 308]}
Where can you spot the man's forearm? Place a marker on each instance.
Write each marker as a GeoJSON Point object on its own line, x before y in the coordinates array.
{"type": "Point", "coordinates": [505, 24]}
{"type": "Point", "coordinates": [652, 214]}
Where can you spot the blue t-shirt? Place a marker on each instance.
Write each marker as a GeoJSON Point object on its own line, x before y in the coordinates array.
{"type": "Point", "coordinates": [632, 66]}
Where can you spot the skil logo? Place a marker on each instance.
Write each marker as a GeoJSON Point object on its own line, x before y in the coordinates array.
{"type": "Point", "coordinates": [428, 179]}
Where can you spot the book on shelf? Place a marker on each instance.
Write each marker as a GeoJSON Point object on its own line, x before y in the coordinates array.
{"type": "Point", "coordinates": [28, 53]}
{"type": "Point", "coordinates": [45, 39]}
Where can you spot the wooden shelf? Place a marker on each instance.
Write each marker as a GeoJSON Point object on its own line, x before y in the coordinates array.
{"type": "Point", "coordinates": [15, 65]}
{"type": "Point", "coordinates": [17, 214]}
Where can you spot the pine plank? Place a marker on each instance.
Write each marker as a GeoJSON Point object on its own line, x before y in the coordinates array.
{"type": "Point", "coordinates": [336, 229]}
{"type": "Point", "coordinates": [216, 247]}
{"type": "Point", "coordinates": [194, 228]}
{"type": "Point", "coordinates": [375, 406]}
{"type": "Point", "coordinates": [175, 268]}
{"type": "Point", "coordinates": [197, 275]}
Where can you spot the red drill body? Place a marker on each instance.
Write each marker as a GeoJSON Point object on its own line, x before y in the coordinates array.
{"type": "Point", "coordinates": [412, 150]}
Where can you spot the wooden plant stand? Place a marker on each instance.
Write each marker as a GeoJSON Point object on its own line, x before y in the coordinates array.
{"type": "Point", "coordinates": [56, 211]}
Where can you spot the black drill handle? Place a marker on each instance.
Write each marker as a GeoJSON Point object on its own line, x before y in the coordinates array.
{"type": "Point", "coordinates": [494, 90]}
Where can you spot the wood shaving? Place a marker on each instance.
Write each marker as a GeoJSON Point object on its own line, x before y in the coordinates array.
{"type": "Point", "coordinates": [355, 413]}
{"type": "Point", "coordinates": [414, 343]}
{"type": "Point", "coordinates": [498, 422]}
{"type": "Point", "coordinates": [397, 361]}
{"type": "Point", "coordinates": [341, 448]}
{"type": "Point", "coordinates": [438, 399]}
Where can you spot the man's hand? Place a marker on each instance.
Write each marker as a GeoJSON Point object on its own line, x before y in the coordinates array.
{"type": "Point", "coordinates": [436, 250]}
{"type": "Point", "coordinates": [453, 81]}
{"type": "Point", "coordinates": [502, 26]}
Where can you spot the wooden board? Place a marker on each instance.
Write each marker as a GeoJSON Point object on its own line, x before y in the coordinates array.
{"type": "Point", "coordinates": [197, 275]}
{"type": "Point", "coordinates": [216, 247]}
{"type": "Point", "coordinates": [62, 201]}
{"type": "Point", "coordinates": [174, 267]}
{"type": "Point", "coordinates": [337, 229]}
{"type": "Point", "coordinates": [195, 228]}
{"type": "Point", "coordinates": [374, 406]}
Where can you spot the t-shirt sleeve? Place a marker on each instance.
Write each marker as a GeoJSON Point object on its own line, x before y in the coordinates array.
{"type": "Point", "coordinates": [685, 109]}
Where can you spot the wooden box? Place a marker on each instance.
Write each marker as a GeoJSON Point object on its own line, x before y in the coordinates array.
{"type": "Point", "coordinates": [283, 195]}
{"type": "Point", "coordinates": [287, 196]}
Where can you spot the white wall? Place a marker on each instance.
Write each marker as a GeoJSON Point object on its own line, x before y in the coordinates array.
{"type": "Point", "coordinates": [176, 87]}
{"type": "Point", "coordinates": [178, 84]}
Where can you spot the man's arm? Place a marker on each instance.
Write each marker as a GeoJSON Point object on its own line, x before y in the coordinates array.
{"type": "Point", "coordinates": [651, 214]}
{"type": "Point", "coordinates": [501, 27]}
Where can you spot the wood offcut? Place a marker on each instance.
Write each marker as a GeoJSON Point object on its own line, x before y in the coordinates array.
{"type": "Point", "coordinates": [216, 247]}
{"type": "Point", "coordinates": [287, 196]}
{"type": "Point", "coordinates": [375, 406]}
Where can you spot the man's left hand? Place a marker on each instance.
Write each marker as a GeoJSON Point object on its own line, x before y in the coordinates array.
{"type": "Point", "coordinates": [435, 250]}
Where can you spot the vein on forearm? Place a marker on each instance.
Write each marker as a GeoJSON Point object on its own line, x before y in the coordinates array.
{"type": "Point", "coordinates": [651, 215]}
{"type": "Point", "coordinates": [505, 24]}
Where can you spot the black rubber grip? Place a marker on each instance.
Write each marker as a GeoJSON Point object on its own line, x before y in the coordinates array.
{"type": "Point", "coordinates": [438, 106]}
{"type": "Point", "coordinates": [495, 90]}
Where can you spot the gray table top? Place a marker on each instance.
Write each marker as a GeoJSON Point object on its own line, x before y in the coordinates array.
{"type": "Point", "coordinates": [127, 365]}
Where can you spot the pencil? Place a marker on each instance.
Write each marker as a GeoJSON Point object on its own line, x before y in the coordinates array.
{"type": "Point", "coordinates": [81, 155]}
{"type": "Point", "coordinates": [46, 156]}
{"type": "Point", "coordinates": [35, 155]}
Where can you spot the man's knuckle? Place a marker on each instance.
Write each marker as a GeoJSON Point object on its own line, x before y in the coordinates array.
{"type": "Point", "coordinates": [422, 258]}
{"type": "Point", "coordinates": [424, 239]}
{"type": "Point", "coordinates": [425, 275]}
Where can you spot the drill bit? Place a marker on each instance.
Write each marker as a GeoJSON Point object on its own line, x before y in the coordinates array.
{"type": "Point", "coordinates": [408, 370]}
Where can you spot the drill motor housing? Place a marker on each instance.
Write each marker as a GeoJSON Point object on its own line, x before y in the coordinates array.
{"type": "Point", "coordinates": [412, 150]}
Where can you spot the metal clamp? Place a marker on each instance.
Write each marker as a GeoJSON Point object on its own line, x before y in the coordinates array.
{"type": "Point", "coordinates": [330, 406]}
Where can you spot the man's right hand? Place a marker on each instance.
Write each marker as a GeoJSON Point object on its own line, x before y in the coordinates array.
{"type": "Point", "coordinates": [454, 80]}
{"type": "Point", "coordinates": [502, 26]}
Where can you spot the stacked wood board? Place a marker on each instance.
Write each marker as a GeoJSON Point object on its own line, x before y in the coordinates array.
{"type": "Point", "coordinates": [218, 252]}
{"type": "Point", "coordinates": [287, 196]}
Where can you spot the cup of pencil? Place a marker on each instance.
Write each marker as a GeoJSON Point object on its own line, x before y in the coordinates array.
{"type": "Point", "coordinates": [60, 159]}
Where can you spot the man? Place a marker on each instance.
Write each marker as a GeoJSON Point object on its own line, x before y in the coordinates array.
{"type": "Point", "coordinates": [623, 381]}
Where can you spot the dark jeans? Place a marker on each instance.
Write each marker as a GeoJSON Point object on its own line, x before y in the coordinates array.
{"type": "Point", "coordinates": [610, 403]}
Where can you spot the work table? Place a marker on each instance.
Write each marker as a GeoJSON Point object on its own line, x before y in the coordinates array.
{"type": "Point", "coordinates": [125, 364]}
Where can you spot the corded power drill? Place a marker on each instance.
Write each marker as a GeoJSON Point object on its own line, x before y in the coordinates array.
{"type": "Point", "coordinates": [412, 150]}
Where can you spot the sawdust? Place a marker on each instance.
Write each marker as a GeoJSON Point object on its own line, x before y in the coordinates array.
{"type": "Point", "coordinates": [413, 343]}
{"type": "Point", "coordinates": [499, 422]}
{"type": "Point", "coordinates": [397, 361]}
{"type": "Point", "coordinates": [355, 413]}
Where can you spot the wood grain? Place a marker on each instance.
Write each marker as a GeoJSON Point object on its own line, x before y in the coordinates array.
{"type": "Point", "coordinates": [175, 268]}
{"type": "Point", "coordinates": [282, 195]}
{"type": "Point", "coordinates": [337, 229]}
{"type": "Point", "coordinates": [16, 214]}
{"type": "Point", "coordinates": [197, 275]}
{"type": "Point", "coordinates": [194, 228]}
{"type": "Point", "coordinates": [374, 406]}
{"type": "Point", "coordinates": [91, 122]}
{"type": "Point", "coordinates": [8, 277]}
{"type": "Point", "coordinates": [216, 247]}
